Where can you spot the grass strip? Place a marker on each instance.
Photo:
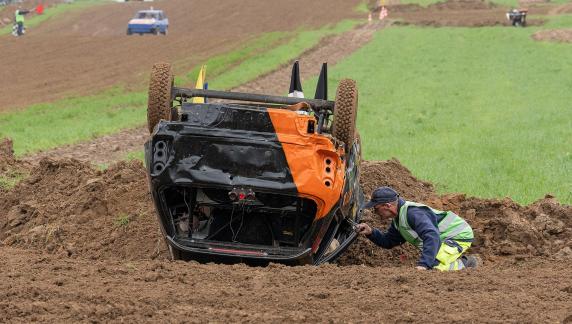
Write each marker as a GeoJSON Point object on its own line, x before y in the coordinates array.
{"type": "Point", "coordinates": [49, 125]}
{"type": "Point", "coordinates": [11, 178]}
{"type": "Point", "coordinates": [270, 60]}
{"type": "Point", "coordinates": [220, 64]}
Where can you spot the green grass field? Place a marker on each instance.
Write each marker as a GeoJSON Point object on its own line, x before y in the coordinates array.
{"type": "Point", "coordinates": [483, 111]}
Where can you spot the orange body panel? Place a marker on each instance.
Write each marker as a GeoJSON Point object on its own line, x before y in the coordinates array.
{"type": "Point", "coordinates": [313, 159]}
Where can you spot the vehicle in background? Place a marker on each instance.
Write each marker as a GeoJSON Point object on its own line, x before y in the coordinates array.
{"type": "Point", "coordinates": [517, 17]}
{"type": "Point", "coordinates": [148, 22]}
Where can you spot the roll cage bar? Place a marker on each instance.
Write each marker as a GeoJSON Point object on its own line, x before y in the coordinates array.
{"type": "Point", "coordinates": [322, 108]}
{"type": "Point", "coordinates": [318, 105]}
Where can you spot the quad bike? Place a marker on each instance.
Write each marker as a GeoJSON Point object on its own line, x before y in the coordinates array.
{"type": "Point", "coordinates": [517, 17]}
{"type": "Point", "coordinates": [255, 178]}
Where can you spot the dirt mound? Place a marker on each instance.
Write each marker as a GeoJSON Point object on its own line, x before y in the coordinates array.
{"type": "Point", "coordinates": [554, 35]}
{"type": "Point", "coordinates": [68, 207]}
{"type": "Point", "coordinates": [387, 173]}
{"type": "Point", "coordinates": [502, 227]}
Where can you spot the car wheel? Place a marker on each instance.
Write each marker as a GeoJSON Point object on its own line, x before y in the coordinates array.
{"type": "Point", "coordinates": [129, 32]}
{"type": "Point", "coordinates": [345, 112]}
{"type": "Point", "coordinates": [160, 101]}
{"type": "Point", "coordinates": [165, 32]}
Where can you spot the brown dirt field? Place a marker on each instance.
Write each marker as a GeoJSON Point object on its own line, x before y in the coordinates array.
{"type": "Point", "coordinates": [55, 60]}
{"type": "Point", "coordinates": [554, 35]}
{"type": "Point", "coordinates": [62, 226]}
{"type": "Point", "coordinates": [457, 13]}
{"type": "Point", "coordinates": [561, 9]}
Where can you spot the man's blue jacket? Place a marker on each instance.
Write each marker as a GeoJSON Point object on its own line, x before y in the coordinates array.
{"type": "Point", "coordinates": [423, 221]}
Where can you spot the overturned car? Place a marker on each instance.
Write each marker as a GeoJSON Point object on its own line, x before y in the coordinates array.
{"type": "Point", "coordinates": [253, 178]}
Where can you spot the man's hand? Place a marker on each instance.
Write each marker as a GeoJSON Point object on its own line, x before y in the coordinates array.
{"type": "Point", "coordinates": [363, 228]}
{"type": "Point", "coordinates": [420, 268]}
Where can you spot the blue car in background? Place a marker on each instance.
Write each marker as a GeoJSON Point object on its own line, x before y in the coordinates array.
{"type": "Point", "coordinates": [148, 22]}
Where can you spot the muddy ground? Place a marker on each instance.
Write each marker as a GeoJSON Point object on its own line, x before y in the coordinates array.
{"type": "Point", "coordinates": [82, 244]}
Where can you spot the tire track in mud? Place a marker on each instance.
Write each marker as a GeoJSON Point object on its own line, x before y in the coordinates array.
{"type": "Point", "coordinates": [107, 149]}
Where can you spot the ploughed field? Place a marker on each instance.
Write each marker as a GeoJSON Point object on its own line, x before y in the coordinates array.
{"type": "Point", "coordinates": [83, 52]}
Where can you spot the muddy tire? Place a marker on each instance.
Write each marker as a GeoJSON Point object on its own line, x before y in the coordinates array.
{"type": "Point", "coordinates": [345, 112]}
{"type": "Point", "coordinates": [358, 140]}
{"type": "Point", "coordinates": [159, 104]}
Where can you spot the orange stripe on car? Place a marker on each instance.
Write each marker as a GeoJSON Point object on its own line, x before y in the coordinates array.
{"type": "Point", "coordinates": [314, 161]}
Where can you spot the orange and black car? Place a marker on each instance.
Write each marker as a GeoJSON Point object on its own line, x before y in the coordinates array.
{"type": "Point", "coordinates": [252, 177]}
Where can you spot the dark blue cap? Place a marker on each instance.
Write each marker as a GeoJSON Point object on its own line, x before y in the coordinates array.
{"type": "Point", "coordinates": [381, 195]}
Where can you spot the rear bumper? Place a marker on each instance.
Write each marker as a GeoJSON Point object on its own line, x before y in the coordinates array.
{"type": "Point", "coordinates": [238, 251]}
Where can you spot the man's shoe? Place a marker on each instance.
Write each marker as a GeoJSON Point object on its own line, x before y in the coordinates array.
{"type": "Point", "coordinates": [470, 261]}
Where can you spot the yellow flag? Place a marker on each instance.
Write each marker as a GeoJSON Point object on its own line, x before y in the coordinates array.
{"type": "Point", "coordinates": [200, 84]}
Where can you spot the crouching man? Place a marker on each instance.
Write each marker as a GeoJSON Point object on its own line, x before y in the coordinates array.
{"type": "Point", "coordinates": [442, 236]}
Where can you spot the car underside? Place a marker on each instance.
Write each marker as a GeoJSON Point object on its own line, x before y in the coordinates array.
{"type": "Point", "coordinates": [252, 182]}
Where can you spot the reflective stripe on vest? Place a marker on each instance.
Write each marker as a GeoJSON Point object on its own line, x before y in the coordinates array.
{"type": "Point", "coordinates": [451, 225]}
